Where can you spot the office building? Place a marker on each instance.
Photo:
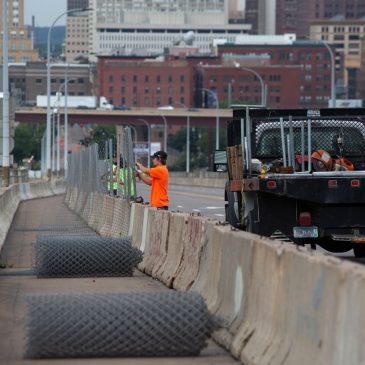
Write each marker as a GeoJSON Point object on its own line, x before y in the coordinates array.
{"type": "Point", "coordinates": [20, 44]}
{"type": "Point", "coordinates": [77, 32]}
{"type": "Point", "coordinates": [345, 36]}
{"type": "Point", "coordinates": [128, 27]}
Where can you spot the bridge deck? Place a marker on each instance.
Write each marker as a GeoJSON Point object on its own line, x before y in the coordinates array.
{"type": "Point", "coordinates": [17, 255]}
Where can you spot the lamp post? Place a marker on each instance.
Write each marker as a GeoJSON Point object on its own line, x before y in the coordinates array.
{"type": "Point", "coordinates": [164, 133]}
{"type": "Point", "coordinates": [187, 137]}
{"type": "Point", "coordinates": [149, 139]}
{"type": "Point", "coordinates": [49, 83]}
{"type": "Point", "coordinates": [6, 127]}
{"type": "Point", "coordinates": [217, 116]}
{"type": "Point", "coordinates": [65, 142]}
{"type": "Point", "coordinates": [333, 77]}
{"type": "Point", "coordinates": [263, 98]}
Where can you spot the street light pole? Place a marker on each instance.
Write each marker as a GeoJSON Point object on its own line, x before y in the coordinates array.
{"type": "Point", "coordinates": [165, 133]}
{"type": "Point", "coordinates": [187, 137]}
{"type": "Point", "coordinates": [149, 139]}
{"type": "Point", "coordinates": [263, 101]}
{"type": "Point", "coordinates": [6, 127]}
{"type": "Point", "coordinates": [217, 116]}
{"type": "Point", "coordinates": [333, 69]}
{"type": "Point", "coordinates": [49, 84]}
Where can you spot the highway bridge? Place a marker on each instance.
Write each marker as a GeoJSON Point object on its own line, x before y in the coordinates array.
{"type": "Point", "coordinates": [200, 117]}
{"type": "Point", "coordinates": [276, 303]}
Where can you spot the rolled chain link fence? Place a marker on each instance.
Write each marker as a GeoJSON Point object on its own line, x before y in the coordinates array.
{"type": "Point", "coordinates": [165, 323]}
{"type": "Point", "coordinates": [80, 256]}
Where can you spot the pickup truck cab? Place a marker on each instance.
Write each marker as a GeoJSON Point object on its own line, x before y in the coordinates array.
{"type": "Point", "coordinates": [298, 174]}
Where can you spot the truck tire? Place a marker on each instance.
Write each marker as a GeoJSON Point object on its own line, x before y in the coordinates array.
{"type": "Point", "coordinates": [359, 250]}
{"type": "Point", "coordinates": [231, 216]}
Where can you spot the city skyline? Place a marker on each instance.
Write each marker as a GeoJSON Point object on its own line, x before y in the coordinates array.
{"type": "Point", "coordinates": [42, 9]}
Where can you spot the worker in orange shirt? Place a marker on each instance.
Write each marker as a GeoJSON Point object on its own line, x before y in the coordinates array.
{"type": "Point", "coordinates": [158, 178]}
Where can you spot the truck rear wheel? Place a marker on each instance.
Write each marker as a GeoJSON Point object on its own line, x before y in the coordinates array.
{"type": "Point", "coordinates": [359, 250]}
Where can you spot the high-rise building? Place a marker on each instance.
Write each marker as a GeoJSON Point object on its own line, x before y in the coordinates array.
{"type": "Point", "coordinates": [151, 26]}
{"type": "Point", "coordinates": [295, 16]}
{"type": "Point", "coordinates": [346, 37]}
{"type": "Point", "coordinates": [77, 31]}
{"type": "Point", "coordinates": [20, 44]}
{"type": "Point", "coordinates": [77, 4]}
{"type": "Point", "coordinates": [261, 14]}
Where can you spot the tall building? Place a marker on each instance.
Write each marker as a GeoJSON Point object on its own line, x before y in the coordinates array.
{"type": "Point", "coordinates": [151, 26]}
{"type": "Point", "coordinates": [77, 32]}
{"type": "Point", "coordinates": [20, 44]}
{"type": "Point", "coordinates": [296, 15]}
{"type": "Point", "coordinates": [346, 38]}
{"type": "Point", "coordinates": [261, 15]}
{"type": "Point", "coordinates": [77, 4]}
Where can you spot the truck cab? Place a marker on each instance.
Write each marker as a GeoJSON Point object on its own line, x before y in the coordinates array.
{"type": "Point", "coordinates": [298, 175]}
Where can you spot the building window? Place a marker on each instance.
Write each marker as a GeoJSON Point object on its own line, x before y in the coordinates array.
{"type": "Point", "coordinates": [170, 101]}
{"type": "Point", "coordinates": [146, 90]}
{"type": "Point", "coordinates": [169, 90]}
{"type": "Point", "coordinates": [146, 78]}
{"type": "Point", "coordinates": [135, 78]}
{"type": "Point", "coordinates": [182, 78]}
{"type": "Point", "coordinates": [158, 101]}
{"type": "Point", "coordinates": [111, 78]}
{"type": "Point", "coordinates": [146, 101]}
{"type": "Point", "coordinates": [122, 101]}
{"type": "Point", "coordinates": [80, 81]}
{"type": "Point", "coordinates": [182, 100]}
{"type": "Point", "coordinates": [53, 81]}
{"type": "Point", "coordinates": [38, 81]}
{"type": "Point", "coordinates": [122, 90]}
{"type": "Point", "coordinates": [158, 78]}
{"type": "Point", "coordinates": [170, 78]}
{"type": "Point", "coordinates": [122, 78]}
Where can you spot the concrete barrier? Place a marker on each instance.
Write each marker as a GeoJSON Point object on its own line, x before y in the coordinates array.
{"type": "Point", "coordinates": [121, 218]}
{"type": "Point", "coordinates": [11, 197]}
{"type": "Point", "coordinates": [279, 304]}
{"type": "Point", "coordinates": [156, 248]}
{"type": "Point", "coordinates": [175, 246]}
{"type": "Point", "coordinates": [107, 216]}
{"type": "Point", "coordinates": [193, 243]}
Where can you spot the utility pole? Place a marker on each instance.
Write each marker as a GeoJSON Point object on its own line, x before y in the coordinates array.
{"type": "Point", "coordinates": [6, 127]}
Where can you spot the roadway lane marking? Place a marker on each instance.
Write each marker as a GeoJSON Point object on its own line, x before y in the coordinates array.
{"type": "Point", "coordinates": [220, 215]}
{"type": "Point", "coordinates": [212, 208]}
{"type": "Point", "coordinates": [179, 206]}
{"type": "Point", "coordinates": [214, 197]}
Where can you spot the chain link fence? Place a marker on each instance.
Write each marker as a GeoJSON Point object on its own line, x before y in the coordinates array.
{"type": "Point", "coordinates": [106, 167]}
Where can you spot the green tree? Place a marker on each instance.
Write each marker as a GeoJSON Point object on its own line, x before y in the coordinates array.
{"type": "Point", "coordinates": [28, 137]}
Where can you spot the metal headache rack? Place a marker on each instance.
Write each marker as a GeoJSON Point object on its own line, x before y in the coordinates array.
{"type": "Point", "coordinates": [289, 137]}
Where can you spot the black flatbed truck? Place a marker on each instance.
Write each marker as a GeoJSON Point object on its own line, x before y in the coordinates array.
{"type": "Point", "coordinates": [325, 208]}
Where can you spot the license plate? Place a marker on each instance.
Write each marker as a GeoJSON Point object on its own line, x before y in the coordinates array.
{"type": "Point", "coordinates": [305, 232]}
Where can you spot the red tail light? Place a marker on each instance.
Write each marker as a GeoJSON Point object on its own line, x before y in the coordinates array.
{"type": "Point", "coordinates": [305, 219]}
{"type": "Point", "coordinates": [355, 183]}
{"type": "Point", "coordinates": [271, 184]}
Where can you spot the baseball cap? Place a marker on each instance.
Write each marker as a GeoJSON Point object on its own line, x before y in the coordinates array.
{"type": "Point", "coordinates": [160, 154]}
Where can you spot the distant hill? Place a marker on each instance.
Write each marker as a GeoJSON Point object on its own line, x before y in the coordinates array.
{"type": "Point", "coordinates": [57, 39]}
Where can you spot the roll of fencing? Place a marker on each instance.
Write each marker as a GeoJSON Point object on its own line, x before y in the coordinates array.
{"type": "Point", "coordinates": [84, 256]}
{"type": "Point", "coordinates": [164, 323]}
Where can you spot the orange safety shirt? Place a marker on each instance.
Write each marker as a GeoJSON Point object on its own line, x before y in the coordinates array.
{"type": "Point", "coordinates": [159, 192]}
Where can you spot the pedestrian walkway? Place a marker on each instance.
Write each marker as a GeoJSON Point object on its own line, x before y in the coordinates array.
{"type": "Point", "coordinates": [42, 216]}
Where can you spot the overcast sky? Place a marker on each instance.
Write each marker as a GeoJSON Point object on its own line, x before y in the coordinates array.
{"type": "Point", "coordinates": [45, 11]}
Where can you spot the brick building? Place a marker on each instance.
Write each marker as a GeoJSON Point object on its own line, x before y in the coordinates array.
{"type": "Point", "coordinates": [140, 82]}
{"type": "Point", "coordinates": [238, 86]}
{"type": "Point", "coordinates": [314, 67]}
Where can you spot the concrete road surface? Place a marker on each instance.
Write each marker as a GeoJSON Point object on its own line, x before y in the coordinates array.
{"type": "Point", "coordinates": [207, 201]}
{"type": "Point", "coordinates": [15, 283]}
